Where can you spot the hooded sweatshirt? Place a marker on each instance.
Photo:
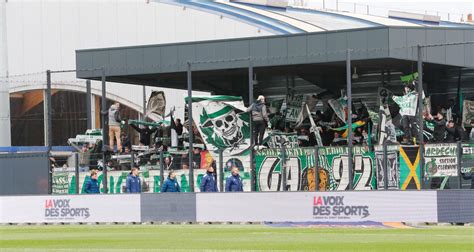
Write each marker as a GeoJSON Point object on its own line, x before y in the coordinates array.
{"type": "Point", "coordinates": [112, 121]}
{"type": "Point", "coordinates": [259, 111]}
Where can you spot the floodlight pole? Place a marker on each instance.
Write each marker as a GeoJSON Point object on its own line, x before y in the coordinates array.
{"type": "Point", "coordinates": [420, 113]}
{"type": "Point", "coordinates": [349, 118]}
{"type": "Point", "coordinates": [190, 128]}
{"type": "Point", "coordinates": [105, 131]}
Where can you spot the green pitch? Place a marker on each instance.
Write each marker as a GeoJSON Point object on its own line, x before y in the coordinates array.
{"type": "Point", "coordinates": [233, 237]}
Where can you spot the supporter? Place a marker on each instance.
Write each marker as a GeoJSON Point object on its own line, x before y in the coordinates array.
{"type": "Point", "coordinates": [145, 133]}
{"type": "Point", "coordinates": [126, 150]}
{"type": "Point", "coordinates": [179, 127]}
{"type": "Point", "coordinates": [337, 140]}
{"type": "Point", "coordinates": [169, 165]}
{"type": "Point", "coordinates": [407, 112]}
{"type": "Point", "coordinates": [114, 126]}
{"type": "Point", "coordinates": [304, 138]}
{"type": "Point", "coordinates": [125, 141]}
{"type": "Point", "coordinates": [451, 132]}
{"type": "Point", "coordinates": [357, 138]}
{"type": "Point", "coordinates": [95, 154]}
{"type": "Point", "coordinates": [171, 184]}
{"type": "Point", "coordinates": [454, 132]}
{"type": "Point", "coordinates": [451, 111]}
{"type": "Point", "coordinates": [179, 131]}
{"type": "Point", "coordinates": [92, 184]}
{"type": "Point", "coordinates": [234, 182]}
{"type": "Point", "coordinates": [208, 181]}
{"type": "Point", "coordinates": [197, 138]}
{"type": "Point", "coordinates": [259, 119]}
{"type": "Point", "coordinates": [440, 127]}
{"type": "Point", "coordinates": [133, 183]}
{"type": "Point", "coordinates": [469, 175]}
{"type": "Point", "coordinates": [196, 159]}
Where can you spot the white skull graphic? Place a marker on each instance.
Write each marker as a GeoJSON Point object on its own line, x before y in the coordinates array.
{"type": "Point", "coordinates": [227, 127]}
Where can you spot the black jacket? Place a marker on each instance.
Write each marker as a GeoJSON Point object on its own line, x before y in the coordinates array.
{"type": "Point", "coordinates": [145, 134]}
{"type": "Point", "coordinates": [439, 130]}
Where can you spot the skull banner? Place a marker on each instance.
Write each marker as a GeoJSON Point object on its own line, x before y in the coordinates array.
{"type": "Point", "coordinates": [223, 123]}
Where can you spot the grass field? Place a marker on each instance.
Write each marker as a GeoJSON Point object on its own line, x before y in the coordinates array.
{"type": "Point", "coordinates": [233, 237]}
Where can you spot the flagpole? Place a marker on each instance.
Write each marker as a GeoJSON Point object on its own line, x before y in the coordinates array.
{"type": "Point", "coordinates": [349, 117]}
{"type": "Point", "coordinates": [420, 112]}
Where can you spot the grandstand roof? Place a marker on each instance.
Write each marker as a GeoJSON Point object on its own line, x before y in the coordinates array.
{"type": "Point", "coordinates": [290, 20]}
{"type": "Point", "coordinates": [312, 45]}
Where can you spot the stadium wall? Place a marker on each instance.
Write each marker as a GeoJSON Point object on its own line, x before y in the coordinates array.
{"type": "Point", "coordinates": [342, 207]}
{"type": "Point", "coordinates": [24, 173]}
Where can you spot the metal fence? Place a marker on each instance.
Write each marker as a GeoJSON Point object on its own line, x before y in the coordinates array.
{"type": "Point", "coordinates": [387, 167]}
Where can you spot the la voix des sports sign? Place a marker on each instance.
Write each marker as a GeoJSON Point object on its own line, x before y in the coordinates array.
{"type": "Point", "coordinates": [70, 208]}
{"type": "Point", "coordinates": [379, 206]}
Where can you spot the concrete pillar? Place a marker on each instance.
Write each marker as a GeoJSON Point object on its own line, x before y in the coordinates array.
{"type": "Point", "coordinates": [5, 135]}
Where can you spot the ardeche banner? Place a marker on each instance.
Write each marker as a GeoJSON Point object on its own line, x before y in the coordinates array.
{"type": "Point", "coordinates": [441, 160]}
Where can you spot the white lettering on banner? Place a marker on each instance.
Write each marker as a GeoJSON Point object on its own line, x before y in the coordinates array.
{"type": "Point", "coordinates": [379, 206]}
{"type": "Point", "coordinates": [392, 170]}
{"type": "Point", "coordinates": [441, 160]}
{"type": "Point", "coordinates": [340, 169]}
{"type": "Point", "coordinates": [467, 150]}
{"type": "Point", "coordinates": [273, 180]}
{"type": "Point", "coordinates": [70, 208]}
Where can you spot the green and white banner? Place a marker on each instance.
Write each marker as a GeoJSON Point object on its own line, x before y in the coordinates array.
{"type": "Point", "coordinates": [65, 183]}
{"type": "Point", "coordinates": [300, 164]}
{"type": "Point", "coordinates": [293, 107]}
{"type": "Point", "coordinates": [223, 123]}
{"type": "Point", "coordinates": [441, 160]}
{"type": "Point", "coordinates": [276, 139]}
{"type": "Point", "coordinates": [393, 166]}
{"type": "Point", "coordinates": [60, 183]}
{"type": "Point", "coordinates": [467, 113]}
{"type": "Point", "coordinates": [340, 108]}
{"type": "Point", "coordinates": [467, 158]}
{"type": "Point", "coordinates": [407, 103]}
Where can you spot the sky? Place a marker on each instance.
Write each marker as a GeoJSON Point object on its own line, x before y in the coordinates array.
{"type": "Point", "coordinates": [455, 8]}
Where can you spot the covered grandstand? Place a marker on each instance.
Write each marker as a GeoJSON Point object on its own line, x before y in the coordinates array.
{"type": "Point", "coordinates": [171, 21]}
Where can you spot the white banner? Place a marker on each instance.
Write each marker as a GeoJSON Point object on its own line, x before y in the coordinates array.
{"type": "Point", "coordinates": [380, 206]}
{"type": "Point", "coordinates": [441, 160]}
{"type": "Point", "coordinates": [70, 208]}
